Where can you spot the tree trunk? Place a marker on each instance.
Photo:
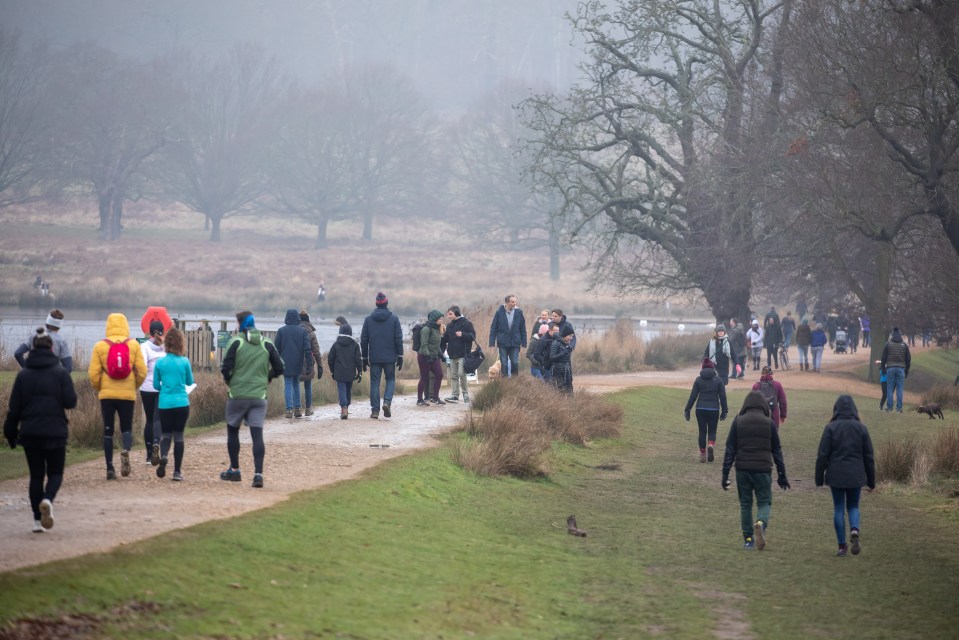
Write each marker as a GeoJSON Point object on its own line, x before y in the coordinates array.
{"type": "Point", "coordinates": [368, 225]}
{"type": "Point", "coordinates": [553, 255]}
{"type": "Point", "coordinates": [215, 227]}
{"type": "Point", "coordinates": [321, 232]}
{"type": "Point", "coordinates": [116, 215]}
{"type": "Point", "coordinates": [878, 307]}
{"type": "Point", "coordinates": [104, 200]}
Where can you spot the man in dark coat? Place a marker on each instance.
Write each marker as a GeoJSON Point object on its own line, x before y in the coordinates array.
{"type": "Point", "coordinates": [456, 342]}
{"type": "Point", "coordinates": [293, 344]}
{"type": "Point", "coordinates": [895, 363]}
{"type": "Point", "coordinates": [381, 344]}
{"type": "Point", "coordinates": [753, 444]}
{"type": "Point", "coordinates": [508, 332]}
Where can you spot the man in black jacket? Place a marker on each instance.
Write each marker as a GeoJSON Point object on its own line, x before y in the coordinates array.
{"type": "Point", "coordinates": [753, 444]}
{"type": "Point", "coordinates": [381, 344]}
{"type": "Point", "coordinates": [895, 363]}
{"type": "Point", "coordinates": [456, 342]}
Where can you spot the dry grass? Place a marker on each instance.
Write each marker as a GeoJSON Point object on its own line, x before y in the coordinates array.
{"type": "Point", "coordinates": [618, 350]}
{"type": "Point", "coordinates": [945, 395]}
{"type": "Point", "coordinates": [521, 418]}
{"type": "Point", "coordinates": [908, 461]}
{"type": "Point", "coordinates": [674, 352]}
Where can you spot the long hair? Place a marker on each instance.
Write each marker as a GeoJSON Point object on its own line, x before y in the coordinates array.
{"type": "Point", "coordinates": [174, 342]}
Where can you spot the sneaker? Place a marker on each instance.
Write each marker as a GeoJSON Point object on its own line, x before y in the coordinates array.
{"type": "Point", "coordinates": [177, 476]}
{"type": "Point", "coordinates": [111, 473]}
{"type": "Point", "coordinates": [422, 403]}
{"type": "Point", "coordinates": [37, 527]}
{"type": "Point", "coordinates": [452, 399]}
{"type": "Point", "coordinates": [436, 401]}
{"type": "Point", "coordinates": [749, 544]}
{"type": "Point", "coordinates": [155, 458]}
{"type": "Point", "coordinates": [709, 455]}
{"type": "Point", "coordinates": [702, 456]}
{"type": "Point", "coordinates": [375, 414]}
{"type": "Point", "coordinates": [230, 475]}
{"type": "Point", "coordinates": [387, 413]}
{"type": "Point", "coordinates": [125, 463]}
{"type": "Point", "coordinates": [257, 480]}
{"type": "Point", "coordinates": [842, 550]}
{"type": "Point", "coordinates": [899, 410]}
{"type": "Point", "coordinates": [466, 400]}
{"type": "Point", "coordinates": [288, 414]}
{"type": "Point", "coordinates": [853, 538]}
{"type": "Point", "coordinates": [149, 460]}
{"type": "Point", "coordinates": [759, 534]}
{"type": "Point", "coordinates": [46, 514]}
{"type": "Point", "coordinates": [308, 411]}
{"type": "Point", "coordinates": [161, 470]}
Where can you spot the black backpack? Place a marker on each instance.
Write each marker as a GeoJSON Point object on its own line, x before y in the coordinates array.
{"type": "Point", "coordinates": [769, 395]}
{"type": "Point", "coordinates": [417, 330]}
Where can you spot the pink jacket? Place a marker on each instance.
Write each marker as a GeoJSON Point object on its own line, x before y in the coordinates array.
{"type": "Point", "coordinates": [778, 413]}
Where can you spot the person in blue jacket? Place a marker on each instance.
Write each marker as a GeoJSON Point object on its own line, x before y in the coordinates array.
{"type": "Point", "coordinates": [293, 344]}
{"type": "Point", "coordinates": [381, 346]}
{"type": "Point", "coordinates": [172, 374]}
{"type": "Point", "coordinates": [817, 343]}
{"type": "Point", "coordinates": [508, 332]}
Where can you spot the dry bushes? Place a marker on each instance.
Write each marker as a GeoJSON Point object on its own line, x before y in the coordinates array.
{"type": "Point", "coordinates": [908, 461]}
{"type": "Point", "coordinates": [521, 418]}
{"type": "Point", "coordinates": [946, 396]}
{"type": "Point", "coordinates": [673, 352]}
{"type": "Point", "coordinates": [617, 350]}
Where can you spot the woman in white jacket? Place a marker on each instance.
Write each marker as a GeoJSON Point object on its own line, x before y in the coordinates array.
{"type": "Point", "coordinates": [152, 350]}
{"type": "Point", "coordinates": [754, 340]}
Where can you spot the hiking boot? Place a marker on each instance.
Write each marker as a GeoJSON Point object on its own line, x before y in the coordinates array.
{"type": "Point", "coordinates": [387, 413]}
{"type": "Point", "coordinates": [709, 453]}
{"type": "Point", "coordinates": [702, 456]}
{"type": "Point", "coordinates": [155, 458]}
{"type": "Point", "coordinates": [161, 470]}
{"type": "Point", "coordinates": [230, 475]}
{"type": "Point", "coordinates": [125, 463]}
{"type": "Point", "coordinates": [452, 399]}
{"type": "Point", "coordinates": [111, 473]}
{"type": "Point", "coordinates": [422, 403]}
{"type": "Point", "coordinates": [436, 401]}
{"type": "Point", "coordinates": [177, 476]}
{"type": "Point", "coordinates": [759, 534]}
{"type": "Point", "coordinates": [375, 414]}
{"type": "Point", "coordinates": [749, 544]}
{"type": "Point", "coordinates": [298, 413]}
{"type": "Point", "coordinates": [466, 400]}
{"type": "Point", "coordinates": [288, 414]}
{"type": "Point", "coordinates": [46, 514]}
{"type": "Point", "coordinates": [308, 411]}
{"type": "Point", "coordinates": [843, 549]}
{"type": "Point", "coordinates": [344, 413]}
{"type": "Point", "coordinates": [853, 538]}
{"type": "Point", "coordinates": [257, 480]}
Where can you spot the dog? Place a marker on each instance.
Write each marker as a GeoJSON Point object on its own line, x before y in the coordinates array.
{"type": "Point", "coordinates": [933, 410]}
{"type": "Point", "coordinates": [494, 371]}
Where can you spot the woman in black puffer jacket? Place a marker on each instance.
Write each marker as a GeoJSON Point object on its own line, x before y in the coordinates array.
{"type": "Point", "coordinates": [709, 395]}
{"type": "Point", "coordinates": [37, 419]}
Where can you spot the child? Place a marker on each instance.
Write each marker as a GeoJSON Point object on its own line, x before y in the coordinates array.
{"type": "Point", "coordinates": [346, 366]}
{"type": "Point", "coordinates": [172, 374]}
{"type": "Point", "coordinates": [882, 385]}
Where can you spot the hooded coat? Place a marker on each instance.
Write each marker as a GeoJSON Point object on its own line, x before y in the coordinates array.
{"type": "Point", "coordinates": [344, 359]}
{"type": "Point", "coordinates": [430, 336]}
{"type": "Point", "coordinates": [313, 356]}
{"type": "Point", "coordinates": [41, 392]}
{"type": "Point", "coordinates": [381, 339]}
{"type": "Point", "coordinates": [803, 334]}
{"type": "Point", "coordinates": [753, 440]}
{"type": "Point", "coordinates": [845, 458]}
{"type": "Point", "coordinates": [293, 343]}
{"type": "Point", "coordinates": [778, 413]}
{"type": "Point", "coordinates": [117, 330]}
{"type": "Point", "coordinates": [708, 392]}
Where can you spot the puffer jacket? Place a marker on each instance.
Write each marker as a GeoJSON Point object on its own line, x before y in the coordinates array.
{"type": "Point", "coordinates": [708, 392]}
{"type": "Point", "coordinates": [381, 339]}
{"type": "Point", "coordinates": [40, 394]}
{"type": "Point", "coordinates": [344, 359]}
{"type": "Point", "coordinates": [845, 458]}
{"type": "Point", "coordinates": [430, 336]}
{"type": "Point", "coordinates": [753, 440]}
{"type": "Point", "coordinates": [292, 343]}
{"type": "Point", "coordinates": [117, 330]}
{"type": "Point", "coordinates": [151, 353]}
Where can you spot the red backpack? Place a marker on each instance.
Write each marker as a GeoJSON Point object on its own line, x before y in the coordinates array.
{"type": "Point", "coordinates": [118, 360]}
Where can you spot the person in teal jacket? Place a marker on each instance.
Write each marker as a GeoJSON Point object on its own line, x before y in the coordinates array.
{"type": "Point", "coordinates": [172, 375]}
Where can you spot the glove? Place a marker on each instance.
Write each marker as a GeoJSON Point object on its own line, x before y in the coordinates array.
{"type": "Point", "coordinates": [726, 483]}
{"type": "Point", "coordinates": [782, 481]}
{"type": "Point", "coordinates": [686, 413]}
{"type": "Point", "coordinates": [319, 373]}
{"type": "Point", "coordinates": [366, 364]}
{"type": "Point", "coordinates": [722, 416]}
{"type": "Point", "coordinates": [399, 363]}
{"type": "Point", "coordinates": [359, 377]}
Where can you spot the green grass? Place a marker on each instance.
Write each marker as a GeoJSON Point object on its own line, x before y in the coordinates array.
{"type": "Point", "coordinates": [928, 368]}
{"type": "Point", "coordinates": [418, 548]}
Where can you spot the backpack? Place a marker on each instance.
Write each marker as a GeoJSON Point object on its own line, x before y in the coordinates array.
{"type": "Point", "coordinates": [769, 395]}
{"type": "Point", "coordinates": [417, 341]}
{"type": "Point", "coordinates": [118, 360]}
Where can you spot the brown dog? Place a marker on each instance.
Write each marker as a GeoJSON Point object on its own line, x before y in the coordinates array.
{"type": "Point", "coordinates": [932, 409]}
{"type": "Point", "coordinates": [494, 371]}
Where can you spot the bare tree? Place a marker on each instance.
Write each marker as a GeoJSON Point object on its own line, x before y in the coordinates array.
{"type": "Point", "coordinates": [655, 154]}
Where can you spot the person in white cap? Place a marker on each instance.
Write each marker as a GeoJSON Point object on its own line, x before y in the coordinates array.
{"type": "Point", "coordinates": [61, 348]}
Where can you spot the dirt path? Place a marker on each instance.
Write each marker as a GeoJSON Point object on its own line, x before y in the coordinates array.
{"type": "Point", "coordinates": [93, 515]}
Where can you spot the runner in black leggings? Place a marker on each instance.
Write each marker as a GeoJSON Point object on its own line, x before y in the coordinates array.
{"type": "Point", "coordinates": [172, 375]}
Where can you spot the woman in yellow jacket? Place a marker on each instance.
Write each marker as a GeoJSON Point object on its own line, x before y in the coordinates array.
{"type": "Point", "coordinates": [117, 369]}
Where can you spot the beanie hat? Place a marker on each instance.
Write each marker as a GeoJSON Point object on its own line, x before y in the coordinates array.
{"type": "Point", "coordinates": [346, 330]}
{"type": "Point", "coordinates": [247, 323]}
{"type": "Point", "coordinates": [720, 327]}
{"type": "Point", "coordinates": [543, 328]}
{"type": "Point", "coordinates": [304, 315]}
{"type": "Point", "coordinates": [896, 334]}
{"type": "Point", "coordinates": [54, 322]}
{"type": "Point", "coordinates": [566, 331]}
{"type": "Point", "coordinates": [767, 371]}
{"type": "Point", "coordinates": [708, 364]}
{"type": "Point", "coordinates": [381, 300]}
{"type": "Point", "coordinates": [156, 327]}
{"type": "Point", "coordinates": [340, 321]}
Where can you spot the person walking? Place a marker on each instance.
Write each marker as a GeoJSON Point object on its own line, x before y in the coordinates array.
{"type": "Point", "coordinates": [429, 361]}
{"type": "Point", "coordinates": [456, 343]}
{"type": "Point", "coordinates": [845, 462]}
{"type": "Point", "coordinates": [560, 358]}
{"type": "Point", "coordinates": [312, 363]}
{"type": "Point", "coordinates": [381, 345]}
{"type": "Point", "coordinates": [709, 395]}
{"type": "Point", "coordinates": [37, 420]}
{"type": "Point", "coordinates": [774, 395]}
{"type": "Point", "coordinates": [117, 369]}
{"type": "Point", "coordinates": [865, 326]}
{"type": "Point", "coordinates": [803, 341]}
{"type": "Point", "coordinates": [152, 350]}
{"type": "Point", "coordinates": [293, 344]}
{"type": "Point", "coordinates": [753, 446]}
{"type": "Point", "coordinates": [788, 329]}
{"type": "Point", "coordinates": [535, 352]}
{"type": "Point", "coordinates": [884, 389]}
{"type": "Point", "coordinates": [251, 361]}
{"type": "Point", "coordinates": [346, 367]}
{"type": "Point", "coordinates": [720, 352]}
{"type": "Point", "coordinates": [895, 362]}
{"type": "Point", "coordinates": [755, 339]}
{"type": "Point", "coordinates": [772, 337]}
{"type": "Point", "coordinates": [817, 342]}
{"type": "Point", "coordinates": [737, 345]}
{"type": "Point", "coordinates": [61, 348]}
{"type": "Point", "coordinates": [172, 375]}
{"type": "Point", "coordinates": [508, 332]}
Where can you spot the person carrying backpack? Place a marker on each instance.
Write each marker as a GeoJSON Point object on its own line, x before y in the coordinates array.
{"type": "Point", "coordinates": [774, 395]}
{"type": "Point", "coordinates": [117, 369]}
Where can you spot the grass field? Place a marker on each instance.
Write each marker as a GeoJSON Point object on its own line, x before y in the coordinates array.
{"type": "Point", "coordinates": [418, 548]}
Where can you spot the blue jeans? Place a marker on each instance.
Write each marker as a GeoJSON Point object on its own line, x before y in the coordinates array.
{"type": "Point", "coordinates": [537, 372]}
{"type": "Point", "coordinates": [291, 389]}
{"type": "Point", "coordinates": [803, 355]}
{"type": "Point", "coordinates": [760, 482]}
{"type": "Point", "coordinates": [787, 338]}
{"type": "Point", "coordinates": [817, 358]}
{"type": "Point", "coordinates": [308, 393]}
{"type": "Point", "coordinates": [345, 391]}
{"type": "Point", "coordinates": [844, 500]}
{"type": "Point", "coordinates": [895, 377]}
{"type": "Point", "coordinates": [509, 356]}
{"type": "Point", "coordinates": [376, 370]}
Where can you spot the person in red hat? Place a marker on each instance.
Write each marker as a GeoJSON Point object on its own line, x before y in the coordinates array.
{"type": "Point", "coordinates": [773, 394]}
{"type": "Point", "coordinates": [709, 396]}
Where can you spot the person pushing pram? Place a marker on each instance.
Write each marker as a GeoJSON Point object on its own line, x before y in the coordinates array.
{"type": "Point", "coordinates": [841, 343]}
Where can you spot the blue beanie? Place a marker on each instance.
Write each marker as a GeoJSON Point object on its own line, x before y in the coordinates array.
{"type": "Point", "coordinates": [247, 323]}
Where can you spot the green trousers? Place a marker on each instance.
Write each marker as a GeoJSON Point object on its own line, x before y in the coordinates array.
{"type": "Point", "coordinates": [760, 483]}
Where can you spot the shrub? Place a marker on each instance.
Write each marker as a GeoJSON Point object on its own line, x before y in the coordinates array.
{"type": "Point", "coordinates": [674, 352]}
{"type": "Point", "coordinates": [916, 462]}
{"type": "Point", "coordinates": [945, 395]}
{"type": "Point", "coordinates": [617, 350]}
{"type": "Point", "coordinates": [945, 452]}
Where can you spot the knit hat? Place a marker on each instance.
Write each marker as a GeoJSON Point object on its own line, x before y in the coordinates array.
{"type": "Point", "coordinates": [304, 315]}
{"type": "Point", "coordinates": [543, 328]}
{"type": "Point", "coordinates": [381, 300]}
{"type": "Point", "coordinates": [54, 322]}
{"type": "Point", "coordinates": [896, 334]}
{"type": "Point", "coordinates": [767, 371]}
{"type": "Point", "coordinates": [720, 327]}
{"type": "Point", "coordinates": [708, 364]}
{"type": "Point", "coordinates": [247, 322]}
{"type": "Point", "coordinates": [567, 330]}
{"type": "Point", "coordinates": [346, 330]}
{"type": "Point", "coordinates": [340, 321]}
{"type": "Point", "coordinates": [156, 328]}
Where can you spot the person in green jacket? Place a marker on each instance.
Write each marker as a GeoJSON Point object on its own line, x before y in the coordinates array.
{"type": "Point", "coordinates": [429, 360]}
{"type": "Point", "coordinates": [172, 375]}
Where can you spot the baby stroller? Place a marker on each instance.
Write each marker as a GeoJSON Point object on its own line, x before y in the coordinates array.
{"type": "Point", "coordinates": [842, 342]}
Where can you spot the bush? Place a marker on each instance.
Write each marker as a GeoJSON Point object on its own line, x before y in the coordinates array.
{"type": "Point", "coordinates": [618, 350]}
{"type": "Point", "coordinates": [915, 462]}
{"type": "Point", "coordinates": [945, 395]}
{"type": "Point", "coordinates": [674, 352]}
{"type": "Point", "coordinates": [895, 459]}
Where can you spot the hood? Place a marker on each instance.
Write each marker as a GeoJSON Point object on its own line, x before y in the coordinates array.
{"type": "Point", "coordinates": [845, 408]}
{"type": "Point", "coordinates": [896, 335]}
{"type": "Point", "coordinates": [306, 325]}
{"type": "Point", "coordinates": [41, 359]}
{"type": "Point", "coordinates": [344, 339]}
{"type": "Point", "coordinates": [292, 317]}
{"type": "Point", "coordinates": [253, 336]}
{"type": "Point", "coordinates": [754, 400]}
{"type": "Point", "coordinates": [117, 327]}
{"type": "Point", "coordinates": [707, 373]}
{"type": "Point", "coordinates": [768, 377]}
{"type": "Point", "coordinates": [382, 314]}
{"type": "Point", "coordinates": [155, 348]}
{"type": "Point", "coordinates": [433, 316]}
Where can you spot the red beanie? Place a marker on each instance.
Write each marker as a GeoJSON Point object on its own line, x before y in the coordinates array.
{"type": "Point", "coordinates": [708, 364]}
